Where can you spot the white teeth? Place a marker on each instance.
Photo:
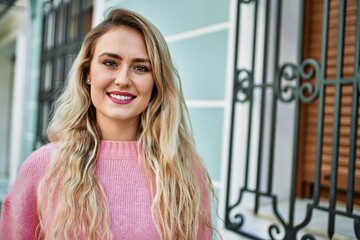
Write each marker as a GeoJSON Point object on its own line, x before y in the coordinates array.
{"type": "Point", "coordinates": [119, 97]}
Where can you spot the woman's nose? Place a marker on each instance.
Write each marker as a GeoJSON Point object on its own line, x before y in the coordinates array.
{"type": "Point", "coordinates": [122, 78]}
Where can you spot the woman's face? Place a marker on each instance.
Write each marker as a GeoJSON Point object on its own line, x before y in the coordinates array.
{"type": "Point", "coordinates": [121, 79]}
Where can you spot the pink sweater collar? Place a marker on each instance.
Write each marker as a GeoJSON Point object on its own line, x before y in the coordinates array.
{"type": "Point", "coordinates": [127, 150]}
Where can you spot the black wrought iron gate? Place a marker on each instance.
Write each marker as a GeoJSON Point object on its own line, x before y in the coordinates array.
{"type": "Point", "coordinates": [64, 25]}
{"type": "Point", "coordinates": [303, 81]}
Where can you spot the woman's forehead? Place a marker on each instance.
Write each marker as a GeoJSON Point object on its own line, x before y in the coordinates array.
{"type": "Point", "coordinates": [122, 40]}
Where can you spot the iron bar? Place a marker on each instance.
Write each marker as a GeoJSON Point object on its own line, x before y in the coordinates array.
{"type": "Point", "coordinates": [343, 81]}
{"type": "Point", "coordinates": [354, 120]}
{"type": "Point", "coordinates": [54, 45]}
{"type": "Point", "coordinates": [39, 124]}
{"type": "Point", "coordinates": [79, 18]}
{"type": "Point", "coordinates": [296, 121]}
{"type": "Point", "coordinates": [264, 81]}
{"type": "Point", "coordinates": [66, 35]}
{"type": "Point", "coordinates": [263, 85]}
{"type": "Point", "coordinates": [336, 126]}
{"type": "Point", "coordinates": [320, 123]}
{"type": "Point", "coordinates": [276, 74]}
{"type": "Point", "coordinates": [259, 160]}
{"type": "Point", "coordinates": [230, 157]}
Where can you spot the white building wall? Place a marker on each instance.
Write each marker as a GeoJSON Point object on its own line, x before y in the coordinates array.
{"type": "Point", "coordinates": [18, 101]}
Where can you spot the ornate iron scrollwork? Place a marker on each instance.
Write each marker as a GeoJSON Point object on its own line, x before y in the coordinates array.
{"type": "Point", "coordinates": [274, 229]}
{"type": "Point", "coordinates": [305, 91]}
{"type": "Point", "coordinates": [308, 237]}
{"type": "Point", "coordinates": [239, 218]}
{"type": "Point", "coordinates": [289, 72]}
{"type": "Point", "coordinates": [307, 75]}
{"type": "Point", "coordinates": [243, 85]}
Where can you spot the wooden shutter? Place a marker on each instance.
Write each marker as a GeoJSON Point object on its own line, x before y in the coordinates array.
{"type": "Point", "coordinates": [309, 112]}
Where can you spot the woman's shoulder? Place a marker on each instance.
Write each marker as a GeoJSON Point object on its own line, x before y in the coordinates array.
{"type": "Point", "coordinates": [30, 173]}
{"type": "Point", "coordinates": [39, 159]}
{"type": "Point", "coordinates": [44, 150]}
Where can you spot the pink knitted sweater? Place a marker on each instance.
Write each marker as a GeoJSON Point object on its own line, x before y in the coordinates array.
{"type": "Point", "coordinates": [126, 187]}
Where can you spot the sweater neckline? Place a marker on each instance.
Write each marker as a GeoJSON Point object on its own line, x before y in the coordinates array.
{"type": "Point", "coordinates": [122, 150]}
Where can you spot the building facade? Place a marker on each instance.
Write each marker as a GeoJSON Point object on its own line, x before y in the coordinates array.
{"type": "Point", "coordinates": [270, 95]}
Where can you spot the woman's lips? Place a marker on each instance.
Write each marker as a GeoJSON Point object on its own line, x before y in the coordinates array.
{"type": "Point", "coordinates": [121, 97]}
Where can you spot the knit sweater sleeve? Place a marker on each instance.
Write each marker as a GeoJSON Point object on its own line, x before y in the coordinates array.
{"type": "Point", "coordinates": [19, 218]}
{"type": "Point", "coordinates": [204, 233]}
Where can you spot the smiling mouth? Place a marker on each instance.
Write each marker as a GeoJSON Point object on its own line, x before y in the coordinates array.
{"type": "Point", "coordinates": [121, 97]}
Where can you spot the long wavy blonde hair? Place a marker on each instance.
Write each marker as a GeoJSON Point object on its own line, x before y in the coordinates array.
{"type": "Point", "coordinates": [72, 201]}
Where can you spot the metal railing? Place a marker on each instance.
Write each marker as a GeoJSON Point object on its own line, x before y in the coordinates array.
{"type": "Point", "coordinates": [298, 83]}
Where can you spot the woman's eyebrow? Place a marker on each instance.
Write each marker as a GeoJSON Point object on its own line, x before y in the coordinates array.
{"type": "Point", "coordinates": [117, 56]}
{"type": "Point", "coordinates": [141, 60]}
{"type": "Point", "coordinates": [109, 54]}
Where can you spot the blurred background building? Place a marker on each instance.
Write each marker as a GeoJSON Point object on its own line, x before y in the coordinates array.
{"type": "Point", "coordinates": [14, 22]}
{"type": "Point", "coordinates": [272, 89]}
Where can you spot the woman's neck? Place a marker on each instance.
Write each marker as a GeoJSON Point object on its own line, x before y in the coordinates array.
{"type": "Point", "coordinates": [118, 131]}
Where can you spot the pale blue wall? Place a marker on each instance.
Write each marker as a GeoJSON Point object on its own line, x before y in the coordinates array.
{"type": "Point", "coordinates": [201, 62]}
{"type": "Point", "coordinates": [174, 16]}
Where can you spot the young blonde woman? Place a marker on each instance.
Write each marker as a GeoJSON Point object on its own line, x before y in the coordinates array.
{"type": "Point", "coordinates": [121, 163]}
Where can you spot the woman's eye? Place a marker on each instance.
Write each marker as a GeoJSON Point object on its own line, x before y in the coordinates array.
{"type": "Point", "coordinates": [110, 63]}
{"type": "Point", "coordinates": [141, 68]}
